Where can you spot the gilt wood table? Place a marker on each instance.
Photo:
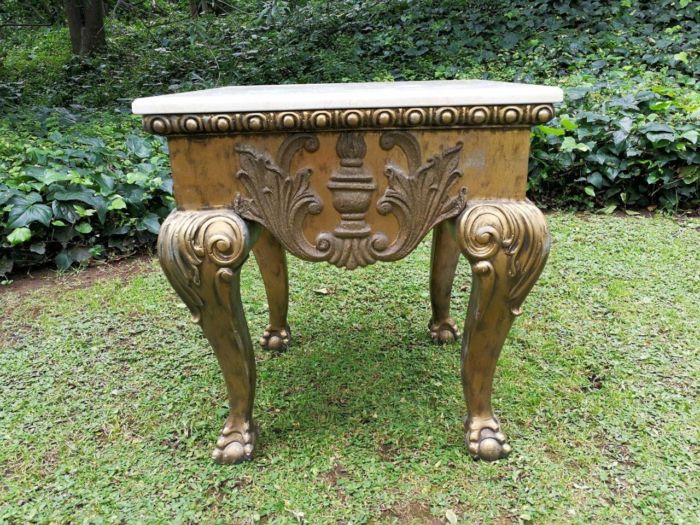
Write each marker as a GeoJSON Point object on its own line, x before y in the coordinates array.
{"type": "Point", "coordinates": [352, 174]}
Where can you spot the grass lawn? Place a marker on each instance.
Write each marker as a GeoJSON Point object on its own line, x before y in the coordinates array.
{"type": "Point", "coordinates": [111, 400]}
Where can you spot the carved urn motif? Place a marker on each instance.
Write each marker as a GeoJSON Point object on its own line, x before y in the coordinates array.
{"type": "Point", "coordinates": [352, 186]}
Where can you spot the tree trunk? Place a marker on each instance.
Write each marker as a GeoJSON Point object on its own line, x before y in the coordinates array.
{"type": "Point", "coordinates": [93, 35]}
{"type": "Point", "coordinates": [75, 24]}
{"type": "Point", "coordinates": [86, 25]}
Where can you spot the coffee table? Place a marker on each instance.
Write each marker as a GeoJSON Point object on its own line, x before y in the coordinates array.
{"type": "Point", "coordinates": [352, 174]}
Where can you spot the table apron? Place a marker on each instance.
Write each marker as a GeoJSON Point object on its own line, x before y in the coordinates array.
{"type": "Point", "coordinates": [349, 197]}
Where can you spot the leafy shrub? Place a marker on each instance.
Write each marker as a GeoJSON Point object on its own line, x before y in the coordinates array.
{"type": "Point", "coordinates": [72, 188]}
{"type": "Point", "coordinates": [72, 191]}
{"type": "Point", "coordinates": [620, 144]}
{"type": "Point", "coordinates": [27, 68]}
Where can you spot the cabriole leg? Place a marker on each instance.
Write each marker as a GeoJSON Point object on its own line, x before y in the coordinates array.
{"type": "Point", "coordinates": [507, 244]}
{"type": "Point", "coordinates": [201, 253]}
{"type": "Point", "coordinates": [443, 264]}
{"type": "Point", "coordinates": [272, 261]}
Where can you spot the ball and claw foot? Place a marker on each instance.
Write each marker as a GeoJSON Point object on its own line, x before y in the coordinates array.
{"type": "Point", "coordinates": [443, 332]}
{"type": "Point", "coordinates": [485, 440]}
{"type": "Point", "coordinates": [275, 340]}
{"type": "Point", "coordinates": [235, 445]}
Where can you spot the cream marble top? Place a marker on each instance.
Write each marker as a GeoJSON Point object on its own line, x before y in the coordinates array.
{"type": "Point", "coordinates": [290, 97]}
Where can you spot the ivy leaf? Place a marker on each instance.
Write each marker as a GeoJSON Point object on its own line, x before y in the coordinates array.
{"type": "Point", "coordinates": [598, 157]}
{"type": "Point", "coordinates": [551, 131]}
{"type": "Point", "coordinates": [25, 200]}
{"type": "Point", "coordinates": [681, 57]}
{"type": "Point", "coordinates": [625, 102]}
{"type": "Point", "coordinates": [105, 182]}
{"type": "Point", "coordinates": [7, 193]}
{"type": "Point", "coordinates": [620, 136]}
{"type": "Point", "coordinates": [577, 93]}
{"type": "Point", "coordinates": [83, 195]}
{"type": "Point", "coordinates": [21, 215]}
{"type": "Point", "coordinates": [570, 144]}
{"type": "Point", "coordinates": [596, 179]}
{"type": "Point", "coordinates": [167, 185]}
{"type": "Point", "coordinates": [47, 175]}
{"type": "Point", "coordinates": [568, 124]}
{"type": "Point", "coordinates": [94, 142]}
{"type": "Point", "coordinates": [661, 105]}
{"type": "Point", "coordinates": [655, 127]}
{"type": "Point", "coordinates": [691, 135]}
{"type": "Point", "coordinates": [150, 222]}
{"type": "Point", "coordinates": [510, 40]}
{"type": "Point", "coordinates": [38, 248]}
{"type": "Point", "coordinates": [63, 260]}
{"type": "Point", "coordinates": [660, 138]}
{"type": "Point", "coordinates": [138, 146]}
{"type": "Point", "coordinates": [690, 174]}
{"type": "Point", "coordinates": [83, 227]}
{"type": "Point", "coordinates": [65, 211]}
{"type": "Point", "coordinates": [626, 124]}
{"type": "Point", "coordinates": [19, 235]}
{"type": "Point", "coordinates": [117, 204]}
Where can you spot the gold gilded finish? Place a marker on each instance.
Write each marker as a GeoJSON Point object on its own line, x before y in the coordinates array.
{"type": "Point", "coordinates": [201, 253]}
{"type": "Point", "coordinates": [351, 119]}
{"type": "Point", "coordinates": [443, 264]}
{"type": "Point", "coordinates": [494, 163]}
{"type": "Point", "coordinates": [272, 261]}
{"type": "Point", "coordinates": [419, 197]}
{"type": "Point", "coordinates": [507, 244]}
{"type": "Point", "coordinates": [352, 187]}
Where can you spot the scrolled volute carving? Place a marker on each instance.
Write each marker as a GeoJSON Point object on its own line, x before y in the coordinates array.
{"type": "Point", "coordinates": [190, 239]}
{"type": "Point", "coordinates": [509, 233]}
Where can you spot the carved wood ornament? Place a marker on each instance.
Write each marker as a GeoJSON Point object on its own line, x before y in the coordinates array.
{"type": "Point", "coordinates": [280, 201]}
{"type": "Point", "coordinates": [201, 252]}
{"type": "Point", "coordinates": [439, 117]}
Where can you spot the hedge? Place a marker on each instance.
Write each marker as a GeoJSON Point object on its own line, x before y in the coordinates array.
{"type": "Point", "coordinates": [79, 183]}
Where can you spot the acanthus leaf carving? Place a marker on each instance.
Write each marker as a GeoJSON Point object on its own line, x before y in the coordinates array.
{"type": "Point", "coordinates": [276, 199]}
{"type": "Point", "coordinates": [420, 198]}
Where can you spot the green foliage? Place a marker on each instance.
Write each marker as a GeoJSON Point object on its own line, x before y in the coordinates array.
{"type": "Point", "coordinates": [26, 68]}
{"type": "Point", "coordinates": [626, 135]}
{"type": "Point", "coordinates": [34, 12]}
{"type": "Point", "coordinates": [636, 148]}
{"type": "Point", "coordinates": [73, 190]}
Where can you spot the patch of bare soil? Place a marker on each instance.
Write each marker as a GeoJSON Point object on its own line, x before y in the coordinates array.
{"type": "Point", "coordinates": [45, 278]}
{"type": "Point", "coordinates": [412, 512]}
